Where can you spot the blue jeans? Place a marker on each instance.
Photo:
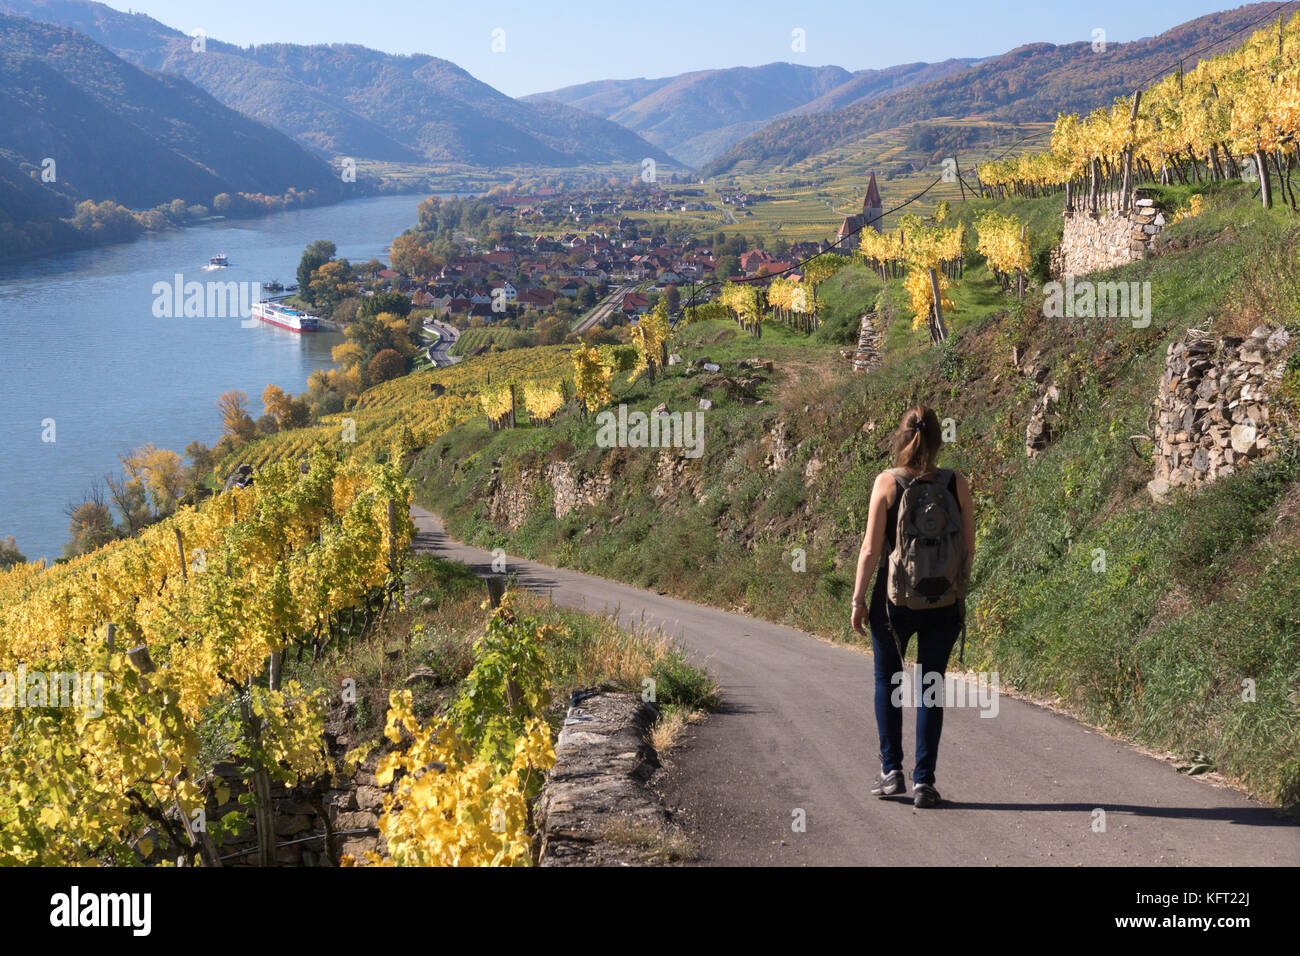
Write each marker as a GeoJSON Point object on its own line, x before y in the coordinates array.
{"type": "Point", "coordinates": [936, 632]}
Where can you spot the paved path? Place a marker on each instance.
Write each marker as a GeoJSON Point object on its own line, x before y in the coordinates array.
{"type": "Point", "coordinates": [797, 732]}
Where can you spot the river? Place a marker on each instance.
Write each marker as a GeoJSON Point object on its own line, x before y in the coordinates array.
{"type": "Point", "coordinates": [81, 350]}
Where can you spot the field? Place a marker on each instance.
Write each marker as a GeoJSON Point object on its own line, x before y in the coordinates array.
{"type": "Point", "coordinates": [809, 199]}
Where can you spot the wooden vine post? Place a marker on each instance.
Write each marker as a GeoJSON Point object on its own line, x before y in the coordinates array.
{"type": "Point", "coordinates": [1127, 186]}
{"type": "Point", "coordinates": [937, 331]}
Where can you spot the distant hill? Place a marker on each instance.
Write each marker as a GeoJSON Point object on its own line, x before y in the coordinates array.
{"type": "Point", "coordinates": [348, 100]}
{"type": "Point", "coordinates": [1029, 83]}
{"type": "Point", "coordinates": [696, 116]}
{"type": "Point", "coordinates": [136, 137]}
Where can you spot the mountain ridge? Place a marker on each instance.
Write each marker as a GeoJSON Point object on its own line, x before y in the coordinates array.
{"type": "Point", "coordinates": [698, 114]}
{"type": "Point", "coordinates": [350, 100]}
{"type": "Point", "coordinates": [1030, 83]}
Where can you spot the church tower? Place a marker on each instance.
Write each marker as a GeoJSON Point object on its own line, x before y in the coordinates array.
{"type": "Point", "coordinates": [872, 212]}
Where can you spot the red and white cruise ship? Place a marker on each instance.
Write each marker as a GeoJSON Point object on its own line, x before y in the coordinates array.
{"type": "Point", "coordinates": [285, 317]}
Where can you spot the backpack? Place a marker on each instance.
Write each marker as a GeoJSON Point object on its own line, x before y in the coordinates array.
{"type": "Point", "coordinates": [927, 568]}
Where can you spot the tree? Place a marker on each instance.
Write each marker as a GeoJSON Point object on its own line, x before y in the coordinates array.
{"type": "Point", "coordinates": [202, 461]}
{"type": "Point", "coordinates": [727, 267]}
{"type": "Point", "coordinates": [587, 297]}
{"type": "Point", "coordinates": [375, 333]}
{"type": "Point", "coordinates": [329, 284]}
{"type": "Point", "coordinates": [347, 353]}
{"type": "Point", "coordinates": [158, 474]}
{"type": "Point", "coordinates": [313, 257]}
{"type": "Point", "coordinates": [412, 257]}
{"type": "Point", "coordinates": [9, 553]}
{"type": "Point", "coordinates": [551, 330]}
{"type": "Point", "coordinates": [672, 299]}
{"type": "Point", "coordinates": [90, 524]}
{"type": "Point", "coordinates": [650, 336]}
{"type": "Point", "coordinates": [387, 364]}
{"type": "Point", "coordinates": [235, 420]}
{"type": "Point", "coordinates": [392, 302]}
{"type": "Point", "coordinates": [132, 503]}
{"type": "Point", "coordinates": [347, 309]}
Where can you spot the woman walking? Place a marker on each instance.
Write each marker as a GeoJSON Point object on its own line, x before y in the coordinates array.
{"type": "Point", "coordinates": [922, 523]}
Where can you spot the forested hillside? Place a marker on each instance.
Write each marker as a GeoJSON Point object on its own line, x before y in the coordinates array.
{"type": "Point", "coordinates": [348, 100]}
{"type": "Point", "coordinates": [1030, 83]}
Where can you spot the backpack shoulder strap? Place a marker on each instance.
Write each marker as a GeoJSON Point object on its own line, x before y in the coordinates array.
{"type": "Point", "coordinates": [901, 478]}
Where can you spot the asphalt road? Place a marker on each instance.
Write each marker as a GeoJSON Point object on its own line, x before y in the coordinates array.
{"type": "Point", "coordinates": [796, 738]}
{"type": "Point", "coordinates": [439, 352]}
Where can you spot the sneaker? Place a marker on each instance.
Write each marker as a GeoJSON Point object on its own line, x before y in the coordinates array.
{"type": "Point", "coordinates": [889, 784]}
{"type": "Point", "coordinates": [924, 796]}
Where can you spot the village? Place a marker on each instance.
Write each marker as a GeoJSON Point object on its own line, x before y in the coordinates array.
{"type": "Point", "coordinates": [538, 267]}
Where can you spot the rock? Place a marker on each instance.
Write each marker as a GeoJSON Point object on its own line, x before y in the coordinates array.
{"type": "Point", "coordinates": [712, 367]}
{"type": "Point", "coordinates": [705, 404]}
{"type": "Point", "coordinates": [659, 409]}
{"type": "Point", "coordinates": [1243, 438]}
{"type": "Point", "coordinates": [674, 359]}
{"type": "Point", "coordinates": [241, 477]}
{"type": "Point", "coordinates": [357, 820]}
{"type": "Point", "coordinates": [1159, 488]}
{"type": "Point", "coordinates": [421, 674]}
{"type": "Point", "coordinates": [1278, 340]}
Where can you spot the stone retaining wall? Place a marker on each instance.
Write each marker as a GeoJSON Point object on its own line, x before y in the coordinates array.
{"type": "Point", "coordinates": [1094, 242]}
{"type": "Point", "coordinates": [1212, 411]}
{"type": "Point", "coordinates": [315, 823]}
{"type": "Point", "coordinates": [595, 809]}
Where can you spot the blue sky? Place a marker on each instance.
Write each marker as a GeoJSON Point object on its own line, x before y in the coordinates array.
{"type": "Point", "coordinates": [561, 42]}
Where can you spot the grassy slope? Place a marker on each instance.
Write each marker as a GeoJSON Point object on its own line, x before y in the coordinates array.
{"type": "Point", "coordinates": [1197, 596]}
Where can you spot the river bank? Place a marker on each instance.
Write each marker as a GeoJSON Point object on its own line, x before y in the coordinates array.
{"type": "Point", "coordinates": [89, 373]}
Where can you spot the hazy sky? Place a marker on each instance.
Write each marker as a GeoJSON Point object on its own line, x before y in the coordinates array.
{"type": "Point", "coordinates": [553, 44]}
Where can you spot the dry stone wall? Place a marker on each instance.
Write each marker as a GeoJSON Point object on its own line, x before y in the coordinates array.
{"type": "Point", "coordinates": [1093, 242]}
{"type": "Point", "coordinates": [316, 822]}
{"type": "Point", "coordinates": [595, 809]}
{"type": "Point", "coordinates": [510, 503]}
{"type": "Point", "coordinates": [1212, 410]}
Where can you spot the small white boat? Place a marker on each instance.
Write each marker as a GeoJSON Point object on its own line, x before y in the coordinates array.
{"type": "Point", "coordinates": [219, 261]}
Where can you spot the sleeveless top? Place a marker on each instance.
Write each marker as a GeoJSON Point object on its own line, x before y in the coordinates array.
{"type": "Point", "coordinates": [881, 590]}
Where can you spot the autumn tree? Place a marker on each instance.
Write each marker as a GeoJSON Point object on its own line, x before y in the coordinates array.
{"type": "Point", "coordinates": [329, 284]}
{"type": "Point", "coordinates": [591, 378]}
{"type": "Point", "coordinates": [9, 553]}
{"type": "Point", "coordinates": [235, 420]}
{"type": "Point", "coordinates": [90, 524]}
{"type": "Point", "coordinates": [412, 257]}
{"type": "Point", "coordinates": [202, 461]}
{"type": "Point", "coordinates": [156, 473]}
{"type": "Point", "coordinates": [288, 412]}
{"type": "Point", "coordinates": [387, 364]}
{"type": "Point", "coordinates": [313, 257]}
